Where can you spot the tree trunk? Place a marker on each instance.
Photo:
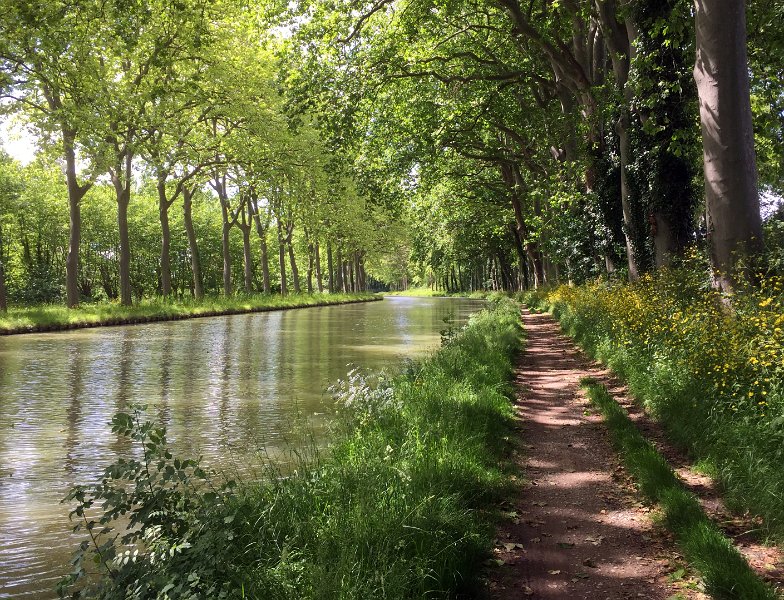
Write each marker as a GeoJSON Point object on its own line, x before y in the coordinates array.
{"type": "Point", "coordinates": [620, 42]}
{"type": "Point", "coordinates": [630, 228]}
{"type": "Point", "coordinates": [261, 230]}
{"type": "Point", "coordinates": [520, 255]}
{"type": "Point", "coordinates": [292, 258]}
{"type": "Point", "coordinates": [363, 286]}
{"type": "Point", "coordinates": [226, 249]}
{"type": "Point", "coordinates": [3, 295]}
{"type": "Point", "coordinates": [319, 282]}
{"type": "Point", "coordinates": [339, 271]}
{"type": "Point", "coordinates": [198, 284]}
{"type": "Point", "coordinates": [265, 272]}
{"type": "Point", "coordinates": [665, 244]}
{"type": "Point", "coordinates": [282, 259]}
{"type": "Point", "coordinates": [245, 224]}
{"type": "Point", "coordinates": [125, 251]}
{"type": "Point", "coordinates": [331, 282]}
{"type": "Point", "coordinates": [732, 200]}
{"type": "Point", "coordinates": [309, 278]}
{"type": "Point", "coordinates": [247, 259]}
{"type": "Point", "coordinates": [121, 179]}
{"type": "Point", "coordinates": [75, 195]}
{"type": "Point", "coordinates": [163, 212]}
{"type": "Point", "coordinates": [357, 282]}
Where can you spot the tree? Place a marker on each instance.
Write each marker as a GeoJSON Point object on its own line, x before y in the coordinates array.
{"type": "Point", "coordinates": [732, 199]}
{"type": "Point", "coordinates": [47, 65]}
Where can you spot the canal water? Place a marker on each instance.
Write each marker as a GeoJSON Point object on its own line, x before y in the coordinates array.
{"type": "Point", "coordinates": [231, 389]}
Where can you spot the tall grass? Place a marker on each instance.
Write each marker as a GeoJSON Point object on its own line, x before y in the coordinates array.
{"type": "Point", "coordinates": [55, 316]}
{"type": "Point", "coordinates": [711, 373]}
{"type": "Point", "coordinates": [399, 508]}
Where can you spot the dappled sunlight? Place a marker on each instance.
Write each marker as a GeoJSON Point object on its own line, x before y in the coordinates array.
{"type": "Point", "coordinates": [583, 534]}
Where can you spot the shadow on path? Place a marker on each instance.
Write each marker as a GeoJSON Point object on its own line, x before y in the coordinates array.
{"type": "Point", "coordinates": [577, 529]}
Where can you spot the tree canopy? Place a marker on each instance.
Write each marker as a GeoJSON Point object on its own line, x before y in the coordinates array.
{"type": "Point", "coordinates": [454, 143]}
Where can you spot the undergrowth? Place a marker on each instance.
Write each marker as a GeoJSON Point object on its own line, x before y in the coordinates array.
{"type": "Point", "coordinates": [726, 574]}
{"type": "Point", "coordinates": [401, 506]}
{"type": "Point", "coordinates": [710, 370]}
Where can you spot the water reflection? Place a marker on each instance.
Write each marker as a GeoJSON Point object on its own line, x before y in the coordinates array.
{"type": "Point", "coordinates": [227, 388]}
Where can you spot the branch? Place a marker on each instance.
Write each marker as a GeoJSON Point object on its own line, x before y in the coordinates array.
{"type": "Point", "coordinates": [360, 23]}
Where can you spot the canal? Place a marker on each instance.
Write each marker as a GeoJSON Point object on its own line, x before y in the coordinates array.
{"type": "Point", "coordinates": [236, 390]}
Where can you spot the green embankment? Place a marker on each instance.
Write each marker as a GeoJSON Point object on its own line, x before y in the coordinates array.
{"type": "Point", "coordinates": [400, 507]}
{"type": "Point", "coordinates": [711, 374]}
{"type": "Point", "coordinates": [52, 317]}
{"type": "Point", "coordinates": [726, 573]}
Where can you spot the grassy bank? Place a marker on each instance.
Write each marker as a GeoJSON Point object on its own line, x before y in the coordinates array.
{"type": "Point", "coordinates": [713, 374]}
{"type": "Point", "coordinates": [401, 507]}
{"type": "Point", "coordinates": [726, 574]}
{"type": "Point", "coordinates": [52, 317]}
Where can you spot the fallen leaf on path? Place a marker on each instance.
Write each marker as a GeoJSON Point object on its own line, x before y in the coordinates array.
{"type": "Point", "coordinates": [495, 562]}
{"type": "Point", "coordinates": [536, 540]}
{"type": "Point", "coordinates": [527, 591]}
{"type": "Point", "coordinates": [588, 562]}
{"type": "Point", "coordinates": [513, 545]}
{"type": "Point", "coordinates": [565, 545]}
{"type": "Point", "coordinates": [554, 572]}
{"type": "Point", "coordinates": [595, 540]}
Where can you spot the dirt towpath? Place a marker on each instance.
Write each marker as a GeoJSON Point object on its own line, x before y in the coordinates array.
{"type": "Point", "coordinates": [577, 530]}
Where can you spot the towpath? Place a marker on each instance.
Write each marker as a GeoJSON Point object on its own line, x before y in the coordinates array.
{"type": "Point", "coordinates": [577, 529]}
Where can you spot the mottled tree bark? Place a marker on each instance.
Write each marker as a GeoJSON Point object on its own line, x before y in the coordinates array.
{"type": "Point", "coordinates": [319, 282]}
{"type": "Point", "coordinates": [357, 278]}
{"type": "Point", "coordinates": [193, 247]}
{"type": "Point", "coordinates": [311, 261]}
{"type": "Point", "coordinates": [261, 229]}
{"type": "Point", "coordinates": [245, 224]}
{"type": "Point", "coordinates": [3, 294]}
{"type": "Point", "coordinates": [309, 275]}
{"type": "Point", "coordinates": [731, 194]}
{"type": "Point", "coordinates": [75, 194]}
{"type": "Point", "coordinates": [330, 268]}
{"type": "Point", "coordinates": [163, 214]}
{"type": "Point", "coordinates": [121, 179]}
{"type": "Point", "coordinates": [339, 271]}
{"type": "Point", "coordinates": [292, 258]}
{"type": "Point", "coordinates": [226, 249]}
{"type": "Point", "coordinates": [282, 258]}
{"type": "Point", "coordinates": [619, 38]}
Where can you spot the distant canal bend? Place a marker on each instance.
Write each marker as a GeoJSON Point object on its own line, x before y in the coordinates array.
{"type": "Point", "coordinates": [228, 388]}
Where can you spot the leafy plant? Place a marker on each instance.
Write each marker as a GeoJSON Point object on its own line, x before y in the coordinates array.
{"type": "Point", "coordinates": [159, 531]}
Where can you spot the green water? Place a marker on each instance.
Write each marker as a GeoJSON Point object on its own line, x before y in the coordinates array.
{"type": "Point", "coordinates": [228, 388]}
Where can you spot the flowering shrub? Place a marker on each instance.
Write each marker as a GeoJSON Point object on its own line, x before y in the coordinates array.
{"type": "Point", "coordinates": [710, 369]}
